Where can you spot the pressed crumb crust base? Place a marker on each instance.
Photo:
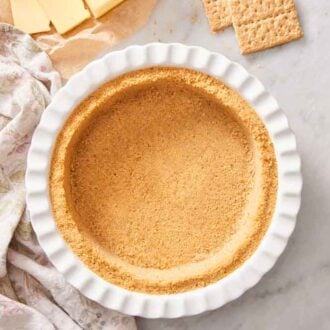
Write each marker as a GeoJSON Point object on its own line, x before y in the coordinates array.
{"type": "Point", "coordinates": [163, 180]}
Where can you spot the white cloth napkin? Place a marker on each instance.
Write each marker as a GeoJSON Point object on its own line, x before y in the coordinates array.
{"type": "Point", "coordinates": [33, 295]}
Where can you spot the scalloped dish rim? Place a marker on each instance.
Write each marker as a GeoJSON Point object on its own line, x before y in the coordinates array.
{"type": "Point", "coordinates": [192, 302]}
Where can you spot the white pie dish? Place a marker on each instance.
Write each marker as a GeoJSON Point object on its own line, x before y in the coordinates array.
{"type": "Point", "coordinates": [192, 302]}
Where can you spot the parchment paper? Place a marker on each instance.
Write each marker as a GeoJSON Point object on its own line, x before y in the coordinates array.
{"type": "Point", "coordinates": [71, 52]}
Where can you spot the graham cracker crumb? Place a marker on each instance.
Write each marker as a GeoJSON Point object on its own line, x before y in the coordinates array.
{"type": "Point", "coordinates": [163, 180]}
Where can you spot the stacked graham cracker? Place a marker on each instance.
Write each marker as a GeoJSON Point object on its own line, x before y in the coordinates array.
{"type": "Point", "coordinates": [259, 24]}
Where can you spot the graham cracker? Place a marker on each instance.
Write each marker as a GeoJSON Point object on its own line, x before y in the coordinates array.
{"type": "Point", "coordinates": [218, 14]}
{"type": "Point", "coordinates": [264, 24]}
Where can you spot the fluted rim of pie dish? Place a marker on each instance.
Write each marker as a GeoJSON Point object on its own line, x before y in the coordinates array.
{"type": "Point", "coordinates": [187, 303]}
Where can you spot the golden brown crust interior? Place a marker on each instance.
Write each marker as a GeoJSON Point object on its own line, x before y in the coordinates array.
{"type": "Point", "coordinates": [163, 180]}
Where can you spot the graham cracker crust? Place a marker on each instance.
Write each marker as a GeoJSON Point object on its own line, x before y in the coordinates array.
{"type": "Point", "coordinates": [163, 180]}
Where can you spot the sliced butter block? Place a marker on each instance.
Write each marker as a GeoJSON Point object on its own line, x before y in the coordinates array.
{"type": "Point", "coordinates": [100, 7]}
{"type": "Point", "coordinates": [29, 16]}
{"type": "Point", "coordinates": [65, 14]}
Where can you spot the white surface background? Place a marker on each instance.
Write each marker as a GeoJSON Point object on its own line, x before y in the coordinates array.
{"type": "Point", "coordinates": [296, 293]}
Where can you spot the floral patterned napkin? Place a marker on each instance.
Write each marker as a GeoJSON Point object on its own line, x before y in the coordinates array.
{"type": "Point", "coordinates": [33, 295]}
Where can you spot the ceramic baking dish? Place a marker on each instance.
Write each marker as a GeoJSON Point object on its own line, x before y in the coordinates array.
{"type": "Point", "coordinates": [193, 302]}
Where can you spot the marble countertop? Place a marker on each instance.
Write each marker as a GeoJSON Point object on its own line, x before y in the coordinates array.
{"type": "Point", "coordinates": [296, 293]}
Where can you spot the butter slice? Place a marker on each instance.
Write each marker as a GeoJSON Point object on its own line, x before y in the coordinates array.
{"type": "Point", "coordinates": [100, 7]}
{"type": "Point", "coordinates": [65, 14]}
{"type": "Point", "coordinates": [29, 16]}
